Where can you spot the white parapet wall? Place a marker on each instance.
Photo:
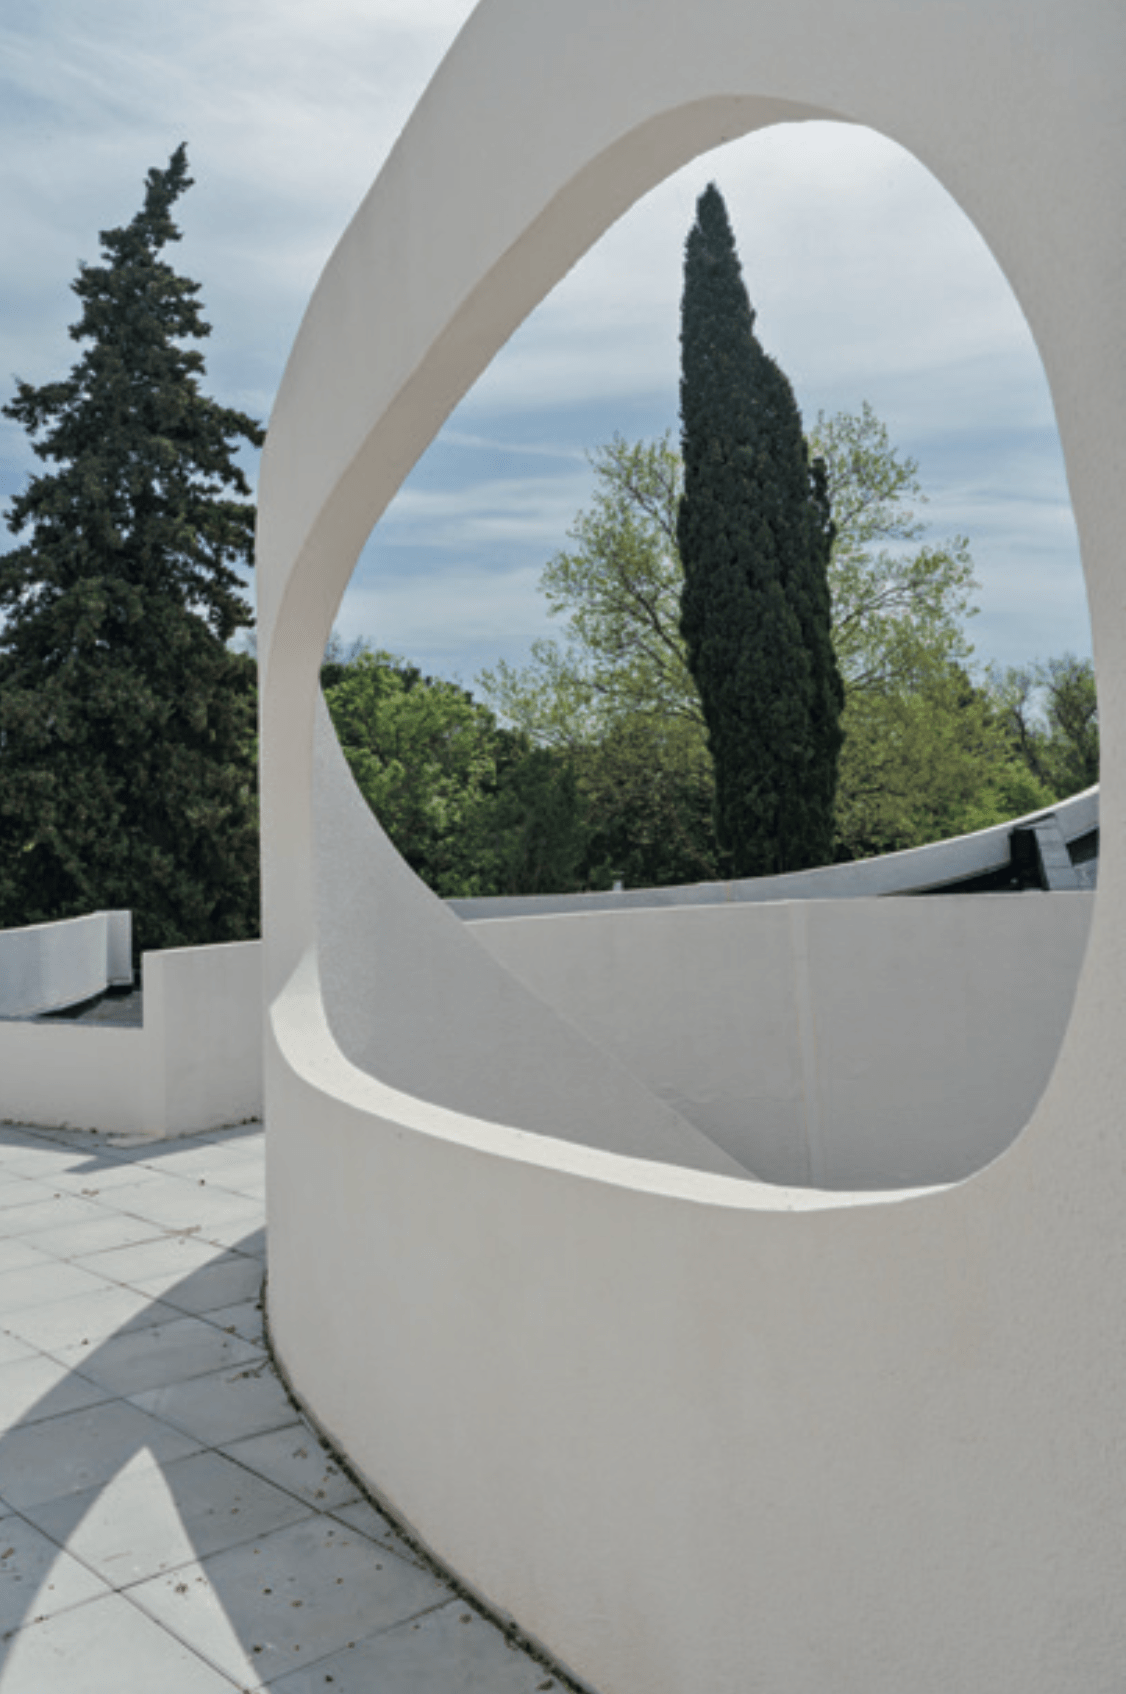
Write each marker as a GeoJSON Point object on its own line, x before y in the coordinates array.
{"type": "Point", "coordinates": [196, 1063]}
{"type": "Point", "coordinates": [203, 1011]}
{"type": "Point", "coordinates": [826, 1043]}
{"type": "Point", "coordinates": [46, 966]}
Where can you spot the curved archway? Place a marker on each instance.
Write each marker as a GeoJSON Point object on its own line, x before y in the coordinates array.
{"type": "Point", "coordinates": [854, 1418]}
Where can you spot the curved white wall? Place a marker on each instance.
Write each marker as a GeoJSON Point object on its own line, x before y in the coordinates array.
{"type": "Point", "coordinates": [46, 966]}
{"type": "Point", "coordinates": [695, 1432]}
{"type": "Point", "coordinates": [195, 1064]}
{"type": "Point", "coordinates": [825, 1043]}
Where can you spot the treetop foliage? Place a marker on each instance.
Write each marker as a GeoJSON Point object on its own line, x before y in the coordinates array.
{"type": "Point", "coordinates": [473, 808]}
{"type": "Point", "coordinates": [145, 456]}
{"type": "Point", "coordinates": [754, 532]}
{"type": "Point", "coordinates": [900, 604]}
{"type": "Point", "coordinates": [126, 724]}
{"type": "Point", "coordinates": [928, 750]}
{"type": "Point", "coordinates": [1050, 712]}
{"type": "Point", "coordinates": [619, 591]}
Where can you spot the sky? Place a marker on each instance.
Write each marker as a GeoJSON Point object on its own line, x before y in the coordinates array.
{"type": "Point", "coordinates": [868, 283]}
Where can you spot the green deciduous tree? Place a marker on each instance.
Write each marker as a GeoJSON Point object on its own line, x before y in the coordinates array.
{"type": "Point", "coordinates": [647, 789]}
{"type": "Point", "coordinates": [926, 761]}
{"type": "Point", "coordinates": [754, 534]}
{"type": "Point", "coordinates": [1051, 713]}
{"type": "Point", "coordinates": [474, 809]}
{"type": "Point", "coordinates": [924, 754]}
{"type": "Point", "coordinates": [126, 723]}
{"type": "Point", "coordinates": [616, 692]}
{"type": "Point", "coordinates": [616, 696]}
{"type": "Point", "coordinates": [618, 590]}
{"type": "Point", "coordinates": [900, 600]}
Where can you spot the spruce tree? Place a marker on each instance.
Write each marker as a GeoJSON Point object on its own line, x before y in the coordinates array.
{"type": "Point", "coordinates": [126, 722]}
{"type": "Point", "coordinates": [755, 533]}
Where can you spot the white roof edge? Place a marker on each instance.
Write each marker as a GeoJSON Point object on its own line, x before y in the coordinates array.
{"type": "Point", "coordinates": [914, 870]}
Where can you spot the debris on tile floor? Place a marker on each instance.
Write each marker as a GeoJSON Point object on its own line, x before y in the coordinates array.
{"type": "Point", "coordinates": [167, 1519]}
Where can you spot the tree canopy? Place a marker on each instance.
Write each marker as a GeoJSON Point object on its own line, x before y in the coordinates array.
{"type": "Point", "coordinates": [616, 691]}
{"type": "Point", "coordinates": [126, 723]}
{"type": "Point", "coordinates": [473, 808]}
{"type": "Point", "coordinates": [900, 602]}
{"type": "Point", "coordinates": [1050, 711]}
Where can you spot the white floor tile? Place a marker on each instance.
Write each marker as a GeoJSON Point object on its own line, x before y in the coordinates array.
{"type": "Point", "coordinates": [37, 1578]}
{"type": "Point", "coordinates": [63, 1455]}
{"type": "Point", "coordinates": [38, 1387]}
{"type": "Point", "coordinates": [294, 1459]}
{"type": "Point", "coordinates": [221, 1408]}
{"type": "Point", "coordinates": [181, 1205]}
{"type": "Point", "coordinates": [370, 1521]}
{"type": "Point", "coordinates": [18, 1254]}
{"type": "Point", "coordinates": [245, 1319]}
{"type": "Point", "coordinates": [246, 1232]}
{"type": "Point", "coordinates": [287, 1599]}
{"type": "Point", "coordinates": [97, 1179]}
{"type": "Point", "coordinates": [228, 1280]}
{"type": "Point", "coordinates": [11, 1347]}
{"type": "Point", "coordinates": [73, 1240]}
{"type": "Point", "coordinates": [159, 1354]}
{"type": "Point", "coordinates": [150, 1519]}
{"type": "Point", "coordinates": [170, 1258]}
{"type": "Point", "coordinates": [49, 1211]}
{"type": "Point", "coordinates": [88, 1318]}
{"type": "Point", "coordinates": [256, 1566]}
{"type": "Point", "coordinates": [107, 1647]}
{"type": "Point", "coordinates": [43, 1285]}
{"type": "Point", "coordinates": [450, 1651]}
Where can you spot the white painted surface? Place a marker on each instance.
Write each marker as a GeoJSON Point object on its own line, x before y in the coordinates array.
{"type": "Point", "coordinates": [203, 1011]}
{"type": "Point", "coordinates": [80, 1076]}
{"type": "Point", "coordinates": [119, 950]}
{"type": "Point", "coordinates": [846, 1044]}
{"type": "Point", "coordinates": [692, 1431]}
{"type": "Point", "coordinates": [45, 966]}
{"type": "Point", "coordinates": [196, 1063]}
{"type": "Point", "coordinates": [446, 1022]}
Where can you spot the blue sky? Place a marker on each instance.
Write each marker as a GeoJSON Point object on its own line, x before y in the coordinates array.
{"type": "Point", "coordinates": [868, 284]}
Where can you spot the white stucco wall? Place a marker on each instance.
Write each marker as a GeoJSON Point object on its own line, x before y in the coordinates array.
{"type": "Point", "coordinates": [195, 1064]}
{"type": "Point", "coordinates": [839, 1044]}
{"type": "Point", "coordinates": [690, 1430]}
{"type": "Point", "coordinates": [203, 1013]}
{"type": "Point", "coordinates": [45, 966]}
{"type": "Point", "coordinates": [81, 1076]}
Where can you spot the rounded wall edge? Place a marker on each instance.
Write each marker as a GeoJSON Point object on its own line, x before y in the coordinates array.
{"type": "Point", "coordinates": [640, 1395]}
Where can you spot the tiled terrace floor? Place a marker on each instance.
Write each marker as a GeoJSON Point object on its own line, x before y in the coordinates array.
{"type": "Point", "coordinates": [168, 1524]}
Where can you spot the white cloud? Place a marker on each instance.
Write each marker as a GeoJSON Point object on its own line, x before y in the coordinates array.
{"type": "Point", "coordinates": [868, 282]}
{"type": "Point", "coordinates": [529, 510]}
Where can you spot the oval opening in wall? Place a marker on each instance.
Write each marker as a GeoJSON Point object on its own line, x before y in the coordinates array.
{"type": "Point", "coordinates": [838, 1041]}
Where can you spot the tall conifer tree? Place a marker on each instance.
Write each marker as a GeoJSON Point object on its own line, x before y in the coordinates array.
{"type": "Point", "coordinates": [126, 723]}
{"type": "Point", "coordinates": [755, 533]}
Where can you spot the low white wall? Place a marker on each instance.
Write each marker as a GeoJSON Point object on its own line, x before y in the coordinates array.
{"type": "Point", "coordinates": [80, 1076]}
{"type": "Point", "coordinates": [46, 966]}
{"type": "Point", "coordinates": [203, 1011]}
{"type": "Point", "coordinates": [195, 1064]}
{"type": "Point", "coordinates": [840, 1043]}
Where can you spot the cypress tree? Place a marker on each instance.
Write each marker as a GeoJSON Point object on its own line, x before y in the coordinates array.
{"type": "Point", "coordinates": [755, 532]}
{"type": "Point", "coordinates": [126, 722]}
